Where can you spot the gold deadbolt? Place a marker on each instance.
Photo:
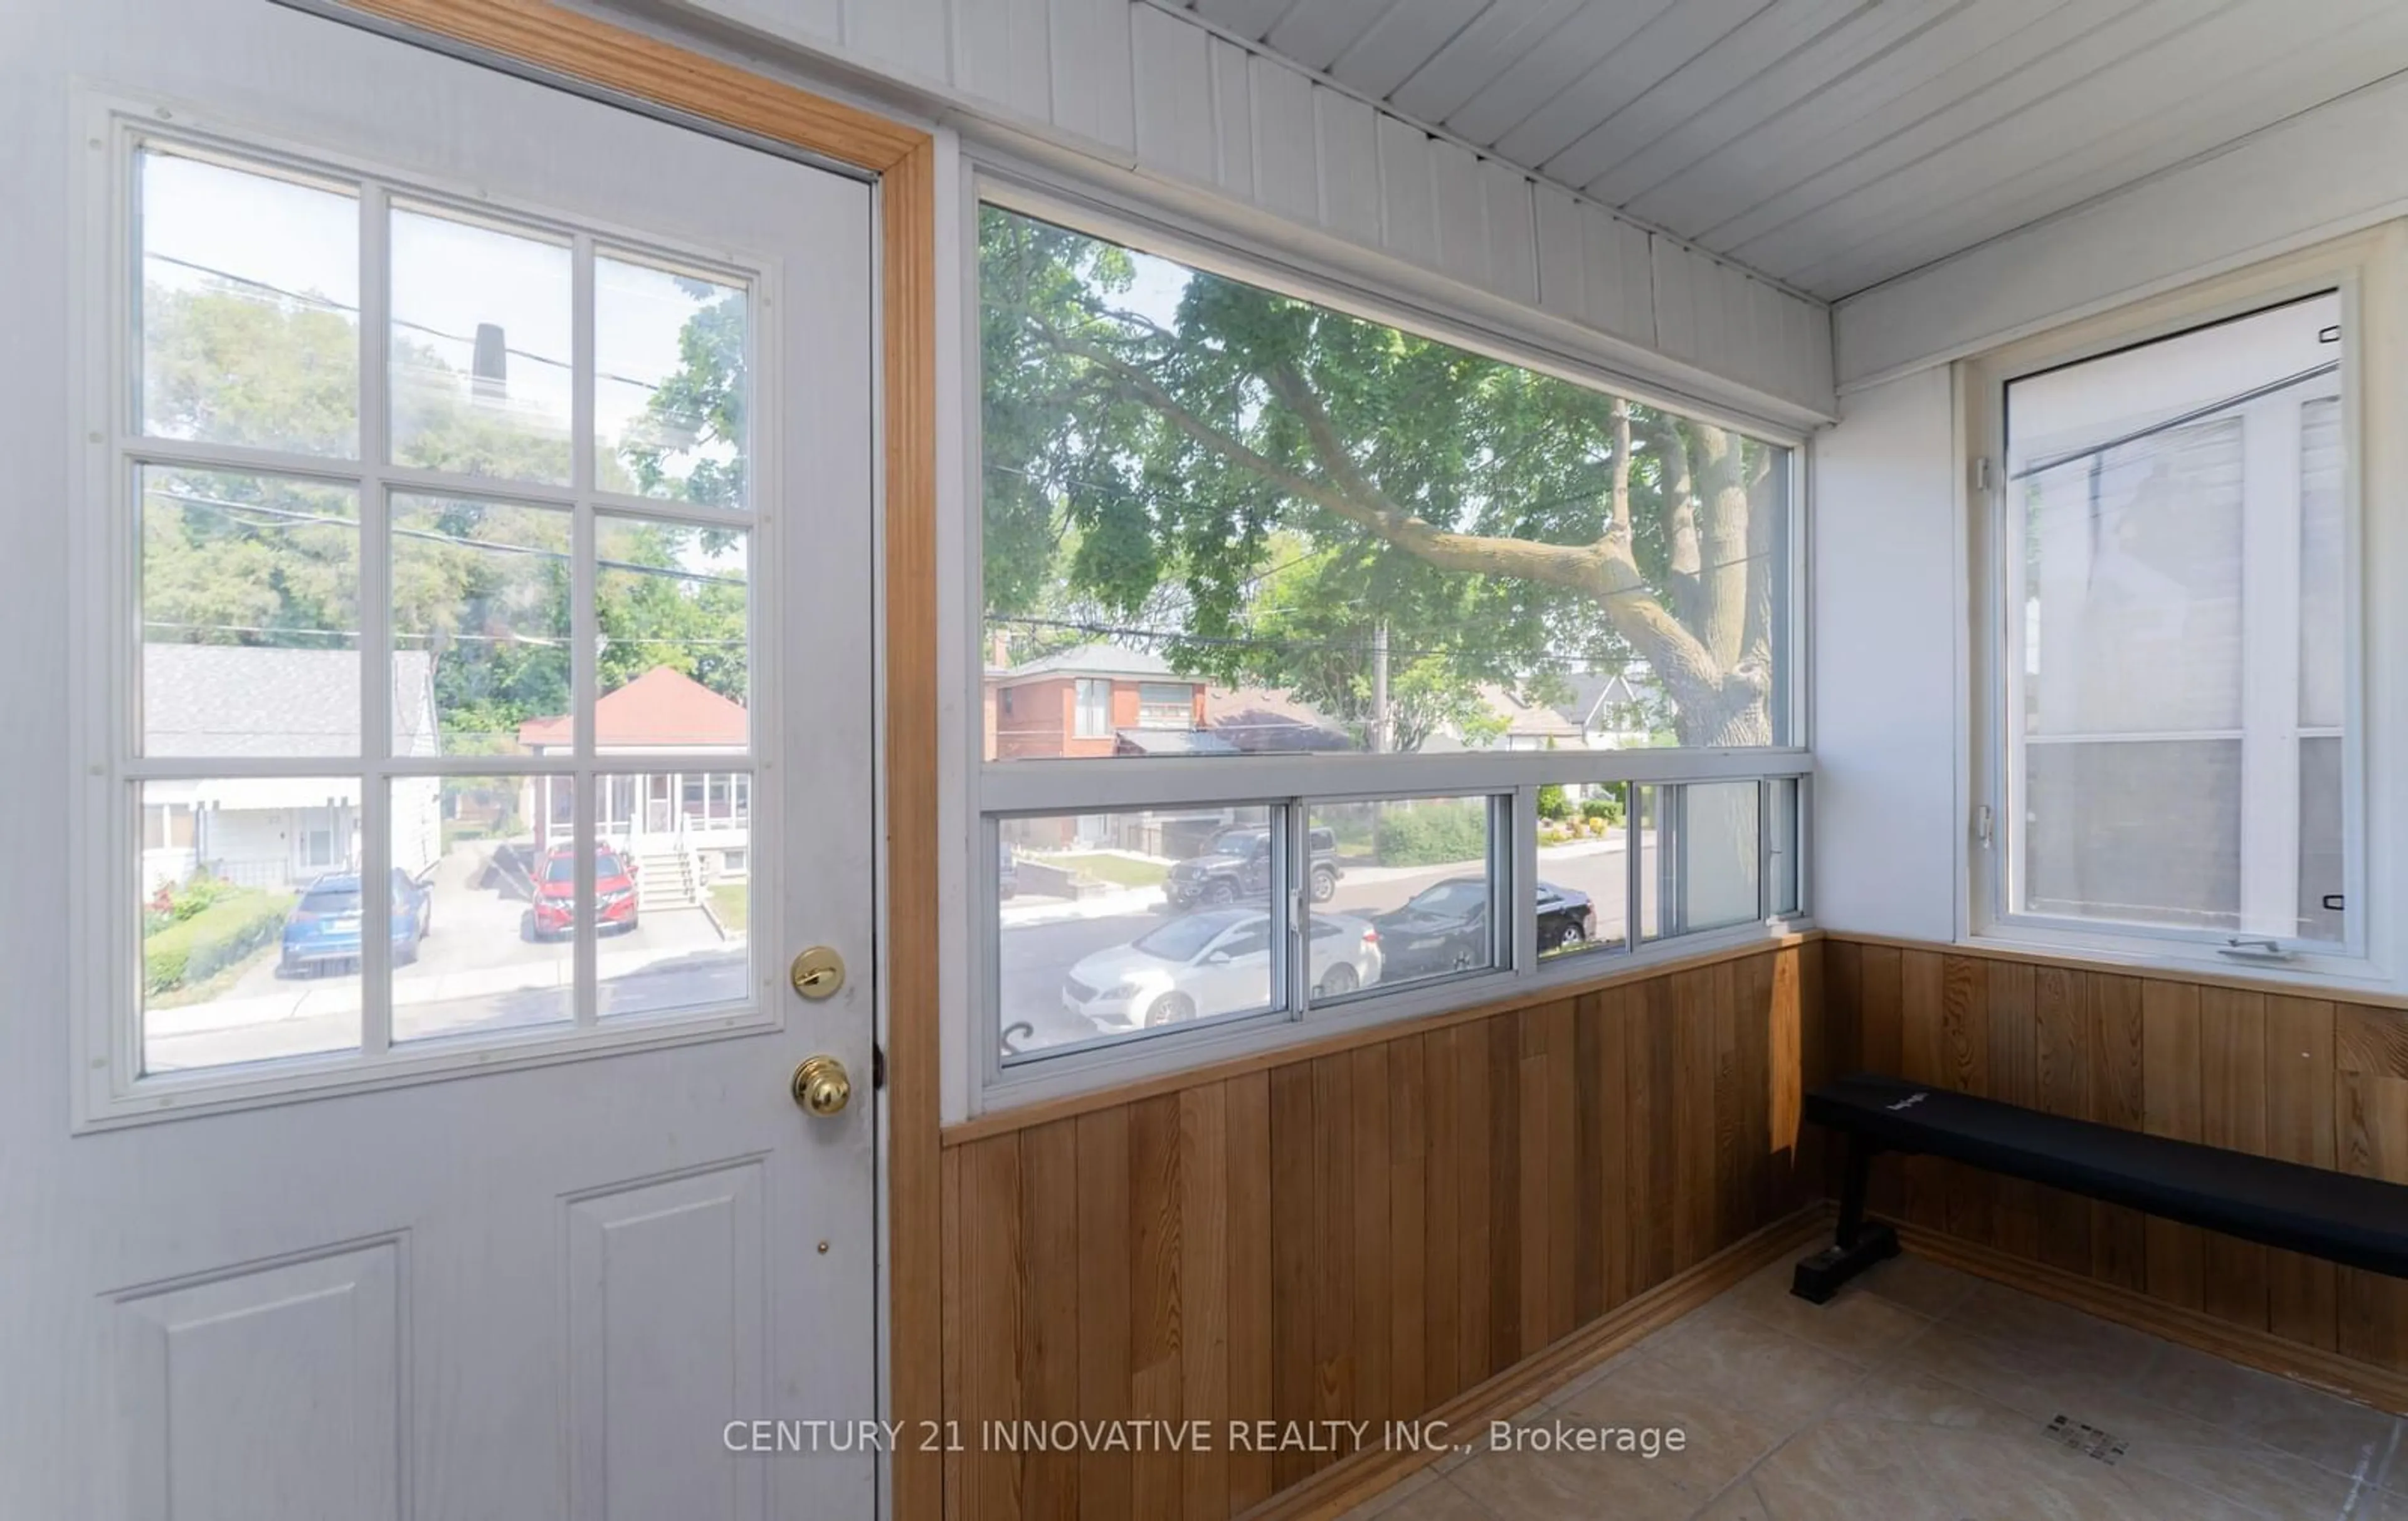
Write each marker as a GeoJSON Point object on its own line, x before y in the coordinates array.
{"type": "Point", "coordinates": [817, 973]}
{"type": "Point", "coordinates": [821, 1085]}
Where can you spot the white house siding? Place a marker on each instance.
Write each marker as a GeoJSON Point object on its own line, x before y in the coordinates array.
{"type": "Point", "coordinates": [1135, 86]}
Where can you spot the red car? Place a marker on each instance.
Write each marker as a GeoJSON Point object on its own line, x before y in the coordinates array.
{"type": "Point", "coordinates": [553, 912]}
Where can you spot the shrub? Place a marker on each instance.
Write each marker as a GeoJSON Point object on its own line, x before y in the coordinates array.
{"type": "Point", "coordinates": [236, 921]}
{"type": "Point", "coordinates": [1433, 834]}
{"type": "Point", "coordinates": [1552, 805]}
{"type": "Point", "coordinates": [1605, 811]}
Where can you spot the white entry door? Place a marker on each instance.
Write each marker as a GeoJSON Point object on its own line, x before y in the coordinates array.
{"type": "Point", "coordinates": [402, 443]}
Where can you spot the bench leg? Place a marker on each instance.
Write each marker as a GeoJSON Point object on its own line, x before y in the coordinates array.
{"type": "Point", "coordinates": [1857, 1244]}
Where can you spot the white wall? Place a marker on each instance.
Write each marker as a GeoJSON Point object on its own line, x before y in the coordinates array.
{"type": "Point", "coordinates": [2324, 172]}
{"type": "Point", "coordinates": [1888, 649]}
{"type": "Point", "coordinates": [1277, 152]}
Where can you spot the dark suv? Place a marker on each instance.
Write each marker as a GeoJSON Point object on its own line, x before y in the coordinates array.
{"type": "Point", "coordinates": [1236, 864]}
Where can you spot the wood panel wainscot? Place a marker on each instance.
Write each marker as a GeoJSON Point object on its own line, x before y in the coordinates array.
{"type": "Point", "coordinates": [2269, 1070]}
{"type": "Point", "coordinates": [1358, 1230]}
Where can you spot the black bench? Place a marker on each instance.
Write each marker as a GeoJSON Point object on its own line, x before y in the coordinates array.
{"type": "Point", "coordinates": [2356, 1222]}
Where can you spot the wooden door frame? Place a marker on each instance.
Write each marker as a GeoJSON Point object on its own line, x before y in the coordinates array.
{"type": "Point", "coordinates": [903, 159]}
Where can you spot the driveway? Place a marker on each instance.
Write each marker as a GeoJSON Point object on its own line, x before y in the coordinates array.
{"type": "Point", "coordinates": [475, 972]}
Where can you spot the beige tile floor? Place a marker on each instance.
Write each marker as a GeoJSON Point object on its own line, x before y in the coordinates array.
{"type": "Point", "coordinates": [1921, 1394]}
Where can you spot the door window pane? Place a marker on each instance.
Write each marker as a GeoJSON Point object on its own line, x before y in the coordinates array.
{"type": "Point", "coordinates": [480, 364]}
{"type": "Point", "coordinates": [471, 874]}
{"type": "Point", "coordinates": [672, 378]}
{"type": "Point", "coordinates": [672, 906]}
{"type": "Point", "coordinates": [2178, 619]}
{"type": "Point", "coordinates": [250, 615]}
{"type": "Point", "coordinates": [1242, 488]}
{"type": "Point", "coordinates": [1584, 866]}
{"type": "Point", "coordinates": [250, 930]}
{"type": "Point", "coordinates": [1113, 925]}
{"type": "Point", "coordinates": [481, 625]}
{"type": "Point", "coordinates": [670, 603]}
{"type": "Point", "coordinates": [1415, 878]}
{"type": "Point", "coordinates": [250, 306]}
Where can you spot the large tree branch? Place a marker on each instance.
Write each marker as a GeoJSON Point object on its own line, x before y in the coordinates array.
{"type": "Point", "coordinates": [1723, 523]}
{"type": "Point", "coordinates": [1607, 571]}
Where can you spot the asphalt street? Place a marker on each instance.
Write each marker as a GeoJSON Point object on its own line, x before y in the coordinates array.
{"type": "Point", "coordinates": [1037, 955]}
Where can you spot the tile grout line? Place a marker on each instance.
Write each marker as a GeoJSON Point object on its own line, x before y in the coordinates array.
{"type": "Point", "coordinates": [2358, 1480]}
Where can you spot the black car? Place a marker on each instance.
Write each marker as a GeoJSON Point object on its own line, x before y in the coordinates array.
{"type": "Point", "coordinates": [1444, 928]}
{"type": "Point", "coordinates": [1236, 864]}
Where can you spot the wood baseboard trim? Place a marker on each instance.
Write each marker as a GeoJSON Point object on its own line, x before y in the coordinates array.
{"type": "Point", "coordinates": [1356, 1478]}
{"type": "Point", "coordinates": [2383, 1388]}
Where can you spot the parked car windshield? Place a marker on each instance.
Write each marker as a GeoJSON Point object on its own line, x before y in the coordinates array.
{"type": "Point", "coordinates": [1450, 899]}
{"type": "Point", "coordinates": [1236, 842]}
{"type": "Point", "coordinates": [560, 868]}
{"type": "Point", "coordinates": [1182, 939]}
{"type": "Point", "coordinates": [331, 900]}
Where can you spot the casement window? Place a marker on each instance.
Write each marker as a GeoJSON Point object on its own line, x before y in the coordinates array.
{"type": "Point", "coordinates": [1402, 573]}
{"type": "Point", "coordinates": [396, 487]}
{"type": "Point", "coordinates": [2170, 752]}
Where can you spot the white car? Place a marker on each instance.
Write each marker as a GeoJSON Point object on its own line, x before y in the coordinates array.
{"type": "Point", "coordinates": [1216, 962]}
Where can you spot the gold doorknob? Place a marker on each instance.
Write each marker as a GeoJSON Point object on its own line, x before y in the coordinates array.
{"type": "Point", "coordinates": [820, 1084]}
{"type": "Point", "coordinates": [817, 973]}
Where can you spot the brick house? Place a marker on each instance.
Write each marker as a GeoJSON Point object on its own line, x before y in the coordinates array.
{"type": "Point", "coordinates": [1096, 700]}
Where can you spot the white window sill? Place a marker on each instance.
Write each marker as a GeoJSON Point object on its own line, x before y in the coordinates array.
{"type": "Point", "coordinates": [2312, 973]}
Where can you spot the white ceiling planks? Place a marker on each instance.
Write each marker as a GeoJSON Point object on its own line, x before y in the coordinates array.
{"type": "Point", "coordinates": [1145, 87]}
{"type": "Point", "coordinates": [1835, 144]}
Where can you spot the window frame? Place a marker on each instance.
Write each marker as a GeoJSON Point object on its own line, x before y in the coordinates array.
{"type": "Point", "coordinates": [999, 789]}
{"type": "Point", "coordinates": [110, 1089]}
{"type": "Point", "coordinates": [2367, 271]}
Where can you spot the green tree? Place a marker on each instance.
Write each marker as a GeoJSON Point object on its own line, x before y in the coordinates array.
{"type": "Point", "coordinates": [483, 586]}
{"type": "Point", "coordinates": [1504, 524]}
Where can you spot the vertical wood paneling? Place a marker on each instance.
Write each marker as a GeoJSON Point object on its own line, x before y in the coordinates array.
{"type": "Point", "coordinates": [1156, 1376]}
{"type": "Point", "coordinates": [905, 35]}
{"type": "Point", "coordinates": [2014, 1078]}
{"type": "Point", "coordinates": [1249, 1253]}
{"type": "Point", "coordinates": [1561, 268]}
{"type": "Point", "coordinates": [1374, 1262]}
{"type": "Point", "coordinates": [1093, 74]}
{"type": "Point", "coordinates": [2062, 1085]}
{"type": "Point", "coordinates": [2232, 1114]}
{"type": "Point", "coordinates": [1350, 166]}
{"type": "Point", "coordinates": [2300, 1070]}
{"type": "Point", "coordinates": [994, 1351]}
{"type": "Point", "coordinates": [1173, 101]}
{"type": "Point", "coordinates": [1294, 1385]}
{"type": "Point", "coordinates": [1204, 1270]}
{"type": "Point", "coordinates": [1512, 232]}
{"type": "Point", "coordinates": [1462, 211]}
{"type": "Point", "coordinates": [1103, 1278]}
{"type": "Point", "coordinates": [1409, 1128]}
{"type": "Point", "coordinates": [1359, 1235]}
{"type": "Point", "coordinates": [2118, 1097]}
{"type": "Point", "coordinates": [1233, 120]}
{"type": "Point", "coordinates": [1964, 1067]}
{"type": "Point", "coordinates": [2170, 1089]}
{"type": "Point", "coordinates": [1049, 1173]}
{"type": "Point", "coordinates": [1003, 51]}
{"type": "Point", "coordinates": [1408, 218]}
{"type": "Point", "coordinates": [1286, 176]}
{"type": "Point", "coordinates": [1333, 1266]}
{"type": "Point", "coordinates": [1679, 279]}
{"type": "Point", "coordinates": [2371, 1138]}
{"type": "Point", "coordinates": [1920, 983]}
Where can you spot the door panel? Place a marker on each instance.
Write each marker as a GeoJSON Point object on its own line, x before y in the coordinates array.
{"type": "Point", "coordinates": [526, 1277]}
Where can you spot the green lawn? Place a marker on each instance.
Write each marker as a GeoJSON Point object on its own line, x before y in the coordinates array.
{"type": "Point", "coordinates": [732, 902]}
{"type": "Point", "coordinates": [1117, 870]}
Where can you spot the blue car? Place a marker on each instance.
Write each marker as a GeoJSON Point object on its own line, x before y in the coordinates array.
{"type": "Point", "coordinates": [324, 929]}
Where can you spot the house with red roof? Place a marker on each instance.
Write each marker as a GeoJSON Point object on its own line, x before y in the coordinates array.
{"type": "Point", "coordinates": [690, 820]}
